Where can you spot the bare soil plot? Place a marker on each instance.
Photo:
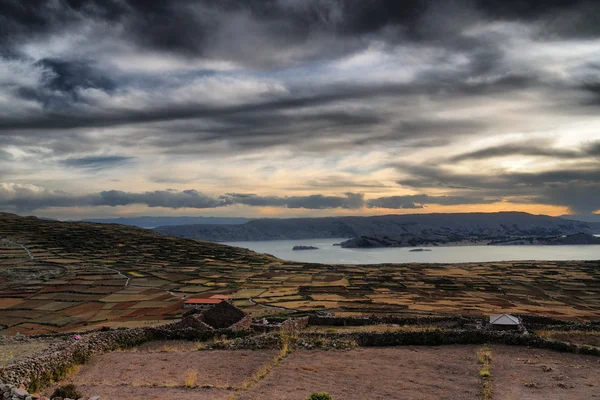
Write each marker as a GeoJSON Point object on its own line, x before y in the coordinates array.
{"type": "Point", "coordinates": [445, 372]}
{"type": "Point", "coordinates": [535, 374]}
{"type": "Point", "coordinates": [221, 369]}
{"type": "Point", "coordinates": [154, 393]}
{"type": "Point", "coordinates": [6, 303]}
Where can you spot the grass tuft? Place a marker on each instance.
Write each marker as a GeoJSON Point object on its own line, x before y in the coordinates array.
{"type": "Point", "coordinates": [191, 378]}
{"type": "Point", "coordinates": [484, 357]}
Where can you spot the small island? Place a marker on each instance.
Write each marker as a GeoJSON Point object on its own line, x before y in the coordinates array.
{"type": "Point", "coordinates": [420, 250]}
{"type": "Point", "coordinates": [305, 248]}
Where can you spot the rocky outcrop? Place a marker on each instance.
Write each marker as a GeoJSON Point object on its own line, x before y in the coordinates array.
{"type": "Point", "coordinates": [296, 248]}
{"type": "Point", "coordinates": [366, 242]}
{"type": "Point", "coordinates": [20, 393]}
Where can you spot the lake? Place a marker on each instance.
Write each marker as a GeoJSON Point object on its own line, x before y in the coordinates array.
{"type": "Point", "coordinates": [329, 254]}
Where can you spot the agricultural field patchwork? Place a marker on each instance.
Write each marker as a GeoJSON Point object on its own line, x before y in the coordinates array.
{"type": "Point", "coordinates": [65, 276]}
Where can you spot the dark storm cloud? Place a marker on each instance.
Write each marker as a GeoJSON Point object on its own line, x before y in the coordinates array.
{"type": "Point", "coordinates": [438, 87]}
{"type": "Point", "coordinates": [542, 149]}
{"type": "Point", "coordinates": [449, 69]}
{"type": "Point", "coordinates": [60, 85]}
{"type": "Point", "coordinates": [566, 18]}
{"type": "Point", "coordinates": [593, 89]}
{"type": "Point", "coordinates": [67, 76]}
{"type": "Point", "coordinates": [577, 189]}
{"type": "Point", "coordinates": [420, 200]}
{"type": "Point", "coordinates": [202, 30]}
{"type": "Point", "coordinates": [158, 198]}
{"type": "Point", "coordinates": [314, 202]}
{"type": "Point", "coordinates": [28, 197]}
{"type": "Point", "coordinates": [96, 162]}
{"type": "Point", "coordinates": [194, 27]}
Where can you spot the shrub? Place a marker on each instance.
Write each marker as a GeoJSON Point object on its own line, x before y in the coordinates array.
{"type": "Point", "coordinates": [66, 391]}
{"type": "Point", "coordinates": [191, 378]}
{"type": "Point", "coordinates": [319, 396]}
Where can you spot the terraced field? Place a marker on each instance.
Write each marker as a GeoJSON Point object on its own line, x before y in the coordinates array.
{"type": "Point", "coordinates": [62, 276]}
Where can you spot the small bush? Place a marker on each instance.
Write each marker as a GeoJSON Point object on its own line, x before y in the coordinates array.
{"type": "Point", "coordinates": [191, 378]}
{"type": "Point", "coordinates": [319, 396]}
{"type": "Point", "coordinates": [66, 391]}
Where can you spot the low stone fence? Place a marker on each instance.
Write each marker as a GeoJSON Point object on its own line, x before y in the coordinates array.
{"type": "Point", "coordinates": [52, 364]}
{"type": "Point", "coordinates": [450, 321]}
{"type": "Point", "coordinates": [19, 393]}
{"type": "Point", "coordinates": [290, 326]}
{"type": "Point", "coordinates": [37, 371]}
{"type": "Point", "coordinates": [294, 325]}
{"type": "Point", "coordinates": [452, 336]}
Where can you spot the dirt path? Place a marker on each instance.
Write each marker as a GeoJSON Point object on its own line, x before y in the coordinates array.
{"type": "Point", "coordinates": [127, 279]}
{"type": "Point", "coordinates": [269, 307]}
{"type": "Point", "coordinates": [19, 244]}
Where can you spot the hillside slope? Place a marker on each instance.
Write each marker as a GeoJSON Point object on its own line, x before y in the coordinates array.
{"type": "Point", "coordinates": [449, 226]}
{"type": "Point", "coordinates": [62, 277]}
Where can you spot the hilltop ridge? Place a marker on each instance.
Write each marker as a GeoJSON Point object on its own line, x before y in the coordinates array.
{"type": "Point", "coordinates": [444, 227]}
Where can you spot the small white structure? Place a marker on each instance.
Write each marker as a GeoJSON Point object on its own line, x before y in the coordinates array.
{"type": "Point", "coordinates": [505, 321]}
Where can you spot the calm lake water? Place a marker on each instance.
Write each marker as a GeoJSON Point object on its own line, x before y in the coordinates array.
{"type": "Point", "coordinates": [329, 254]}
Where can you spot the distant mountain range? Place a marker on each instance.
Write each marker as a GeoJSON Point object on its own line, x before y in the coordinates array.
{"type": "Point", "coordinates": [438, 227]}
{"type": "Point", "coordinates": [595, 218]}
{"type": "Point", "coordinates": [368, 242]}
{"type": "Point", "coordinates": [153, 222]}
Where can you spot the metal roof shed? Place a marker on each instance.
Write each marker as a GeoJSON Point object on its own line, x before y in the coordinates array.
{"type": "Point", "coordinates": [505, 320]}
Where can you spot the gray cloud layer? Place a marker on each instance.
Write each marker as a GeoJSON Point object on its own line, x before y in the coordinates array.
{"type": "Point", "coordinates": [139, 79]}
{"type": "Point", "coordinates": [577, 189]}
{"type": "Point", "coordinates": [29, 197]}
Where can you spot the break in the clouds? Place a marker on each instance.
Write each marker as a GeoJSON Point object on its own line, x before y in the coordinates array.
{"type": "Point", "coordinates": [344, 106]}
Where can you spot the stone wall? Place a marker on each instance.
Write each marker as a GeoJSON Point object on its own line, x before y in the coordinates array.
{"type": "Point", "coordinates": [294, 325]}
{"type": "Point", "coordinates": [243, 324]}
{"type": "Point", "coordinates": [451, 321]}
{"type": "Point", "coordinates": [19, 393]}
{"type": "Point", "coordinates": [452, 336]}
{"type": "Point", "coordinates": [37, 371]}
{"type": "Point", "coordinates": [289, 326]}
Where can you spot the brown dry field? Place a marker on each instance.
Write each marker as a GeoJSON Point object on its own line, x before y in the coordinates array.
{"type": "Point", "coordinates": [218, 368]}
{"type": "Point", "coordinates": [445, 372]}
{"type": "Point", "coordinates": [45, 294]}
{"type": "Point", "coordinates": [156, 370]}
{"type": "Point", "coordinates": [551, 375]}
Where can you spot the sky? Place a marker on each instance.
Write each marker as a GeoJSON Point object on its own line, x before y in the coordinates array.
{"type": "Point", "coordinates": [276, 108]}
